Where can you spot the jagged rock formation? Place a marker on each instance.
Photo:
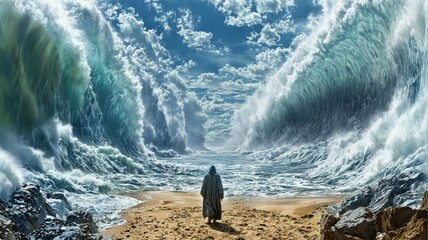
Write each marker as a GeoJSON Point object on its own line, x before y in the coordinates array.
{"type": "Point", "coordinates": [424, 205]}
{"type": "Point", "coordinates": [378, 214]}
{"type": "Point", "coordinates": [401, 223]}
{"type": "Point", "coordinates": [391, 192]}
{"type": "Point", "coordinates": [28, 215]}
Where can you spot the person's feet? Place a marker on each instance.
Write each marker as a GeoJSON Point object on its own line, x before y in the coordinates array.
{"type": "Point", "coordinates": [214, 221]}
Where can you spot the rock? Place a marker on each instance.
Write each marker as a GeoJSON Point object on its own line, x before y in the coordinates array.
{"type": "Point", "coordinates": [357, 223]}
{"type": "Point", "coordinates": [328, 221]}
{"type": "Point", "coordinates": [326, 224]}
{"type": "Point", "coordinates": [3, 206]}
{"type": "Point", "coordinates": [28, 208]}
{"type": "Point", "coordinates": [84, 220]}
{"type": "Point", "coordinates": [24, 219]}
{"type": "Point", "coordinates": [390, 188]}
{"type": "Point", "coordinates": [29, 216]}
{"type": "Point", "coordinates": [59, 196]}
{"type": "Point", "coordinates": [49, 229]}
{"type": "Point", "coordinates": [336, 235]}
{"type": "Point", "coordinates": [6, 232]}
{"type": "Point", "coordinates": [402, 223]}
{"type": "Point", "coordinates": [407, 199]}
{"type": "Point", "coordinates": [424, 203]}
{"type": "Point", "coordinates": [391, 219]}
{"type": "Point", "coordinates": [383, 199]}
{"type": "Point", "coordinates": [360, 200]}
{"type": "Point", "coordinates": [59, 203]}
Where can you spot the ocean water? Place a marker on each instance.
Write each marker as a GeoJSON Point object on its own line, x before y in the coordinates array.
{"type": "Point", "coordinates": [102, 195]}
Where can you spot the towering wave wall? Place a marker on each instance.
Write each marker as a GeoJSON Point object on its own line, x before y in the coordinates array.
{"type": "Point", "coordinates": [352, 97]}
{"type": "Point", "coordinates": [84, 85]}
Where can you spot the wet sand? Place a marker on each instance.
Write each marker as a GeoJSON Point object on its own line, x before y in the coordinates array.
{"type": "Point", "coordinates": [174, 215]}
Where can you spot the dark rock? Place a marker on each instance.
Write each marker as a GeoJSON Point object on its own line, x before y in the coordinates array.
{"type": "Point", "coordinates": [326, 224]}
{"type": "Point", "coordinates": [328, 221]}
{"type": "Point", "coordinates": [391, 219]}
{"type": "Point", "coordinates": [360, 200]}
{"type": "Point", "coordinates": [402, 223]}
{"type": "Point", "coordinates": [28, 208]}
{"type": "Point", "coordinates": [84, 220]}
{"type": "Point", "coordinates": [59, 196]}
{"type": "Point", "coordinates": [54, 228]}
{"type": "Point", "coordinates": [357, 223]}
{"type": "Point", "coordinates": [6, 232]}
{"type": "Point", "coordinates": [391, 223]}
{"type": "Point", "coordinates": [333, 234]}
{"type": "Point", "coordinates": [3, 206]}
{"type": "Point", "coordinates": [59, 203]}
{"type": "Point", "coordinates": [383, 198]}
{"type": "Point", "coordinates": [424, 203]}
{"type": "Point", "coordinates": [406, 199]}
{"type": "Point", "coordinates": [390, 188]}
{"type": "Point", "coordinates": [49, 229]}
{"type": "Point", "coordinates": [29, 216]}
{"type": "Point", "coordinates": [406, 180]}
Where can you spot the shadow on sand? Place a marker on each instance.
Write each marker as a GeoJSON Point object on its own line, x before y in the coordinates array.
{"type": "Point", "coordinates": [223, 227]}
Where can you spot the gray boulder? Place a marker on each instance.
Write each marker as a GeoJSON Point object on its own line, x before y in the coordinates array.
{"type": "Point", "coordinates": [362, 199]}
{"type": "Point", "coordinates": [84, 220]}
{"type": "Point", "coordinates": [59, 203]}
{"type": "Point", "coordinates": [6, 232]}
{"type": "Point", "coordinates": [397, 188]}
{"type": "Point", "coordinates": [357, 223]}
{"type": "Point", "coordinates": [28, 208]}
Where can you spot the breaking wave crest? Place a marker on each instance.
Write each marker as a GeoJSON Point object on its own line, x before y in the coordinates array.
{"type": "Point", "coordinates": [352, 96]}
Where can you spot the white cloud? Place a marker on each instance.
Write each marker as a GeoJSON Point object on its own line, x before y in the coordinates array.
{"type": "Point", "coordinates": [249, 12]}
{"type": "Point", "coordinates": [164, 20]}
{"type": "Point", "coordinates": [270, 34]}
{"type": "Point", "coordinates": [245, 18]}
{"type": "Point", "coordinates": [193, 38]}
{"type": "Point", "coordinates": [155, 4]}
{"type": "Point", "coordinates": [266, 62]}
{"type": "Point", "coordinates": [268, 6]}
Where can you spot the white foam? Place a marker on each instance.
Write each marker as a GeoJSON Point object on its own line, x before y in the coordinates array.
{"type": "Point", "coordinates": [11, 175]}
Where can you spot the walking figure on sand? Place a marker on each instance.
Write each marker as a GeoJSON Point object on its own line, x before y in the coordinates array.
{"type": "Point", "coordinates": [212, 193]}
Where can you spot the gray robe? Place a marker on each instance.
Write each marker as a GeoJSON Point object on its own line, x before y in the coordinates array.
{"type": "Point", "coordinates": [212, 192]}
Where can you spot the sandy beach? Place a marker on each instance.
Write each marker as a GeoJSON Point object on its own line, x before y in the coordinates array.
{"type": "Point", "coordinates": [174, 215]}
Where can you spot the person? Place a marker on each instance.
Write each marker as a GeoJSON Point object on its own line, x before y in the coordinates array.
{"type": "Point", "coordinates": [212, 193]}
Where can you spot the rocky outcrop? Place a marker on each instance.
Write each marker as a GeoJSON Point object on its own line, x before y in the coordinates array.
{"type": "Point", "coordinates": [59, 203]}
{"type": "Point", "coordinates": [28, 215]}
{"type": "Point", "coordinates": [424, 204]}
{"type": "Point", "coordinates": [381, 212]}
{"type": "Point", "coordinates": [362, 199]}
{"type": "Point", "coordinates": [389, 192]}
{"type": "Point", "coordinates": [84, 220]}
{"type": "Point", "coordinates": [6, 232]}
{"type": "Point", "coordinates": [358, 223]}
{"type": "Point", "coordinates": [28, 208]}
{"type": "Point", "coordinates": [401, 223]}
{"type": "Point", "coordinates": [354, 224]}
{"type": "Point", "coordinates": [53, 228]}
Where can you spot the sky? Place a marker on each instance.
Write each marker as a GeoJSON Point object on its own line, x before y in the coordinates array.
{"type": "Point", "coordinates": [222, 49]}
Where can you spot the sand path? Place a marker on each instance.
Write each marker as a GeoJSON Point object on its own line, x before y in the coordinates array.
{"type": "Point", "coordinates": [173, 215]}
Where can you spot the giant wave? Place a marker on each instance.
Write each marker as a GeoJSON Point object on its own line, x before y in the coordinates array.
{"type": "Point", "coordinates": [85, 87]}
{"type": "Point", "coordinates": [350, 101]}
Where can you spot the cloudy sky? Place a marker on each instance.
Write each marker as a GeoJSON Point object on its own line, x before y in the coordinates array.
{"type": "Point", "coordinates": [222, 49]}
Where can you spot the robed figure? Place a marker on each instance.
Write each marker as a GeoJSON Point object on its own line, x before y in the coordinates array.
{"type": "Point", "coordinates": [212, 192]}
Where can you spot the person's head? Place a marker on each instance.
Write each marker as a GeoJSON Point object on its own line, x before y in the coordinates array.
{"type": "Point", "coordinates": [212, 170]}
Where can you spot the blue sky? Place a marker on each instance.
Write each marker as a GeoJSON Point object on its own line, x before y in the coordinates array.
{"type": "Point", "coordinates": [223, 50]}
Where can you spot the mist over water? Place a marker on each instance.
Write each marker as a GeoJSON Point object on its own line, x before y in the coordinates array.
{"type": "Point", "coordinates": [92, 104]}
